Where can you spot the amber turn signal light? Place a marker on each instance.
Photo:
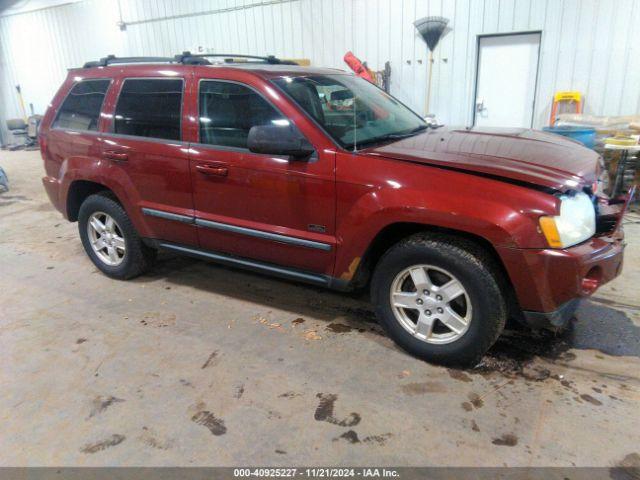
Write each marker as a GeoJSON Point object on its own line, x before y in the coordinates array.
{"type": "Point", "coordinates": [550, 231]}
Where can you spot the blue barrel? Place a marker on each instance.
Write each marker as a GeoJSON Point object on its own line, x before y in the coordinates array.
{"type": "Point", "coordinates": [584, 135]}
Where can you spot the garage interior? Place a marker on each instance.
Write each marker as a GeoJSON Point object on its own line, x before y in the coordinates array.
{"type": "Point", "coordinates": [197, 364]}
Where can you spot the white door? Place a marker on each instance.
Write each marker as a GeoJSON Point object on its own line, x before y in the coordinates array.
{"type": "Point", "coordinates": [506, 80]}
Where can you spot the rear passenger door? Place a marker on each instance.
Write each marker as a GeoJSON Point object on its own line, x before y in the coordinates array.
{"type": "Point", "coordinates": [145, 150]}
{"type": "Point", "coordinates": [265, 207]}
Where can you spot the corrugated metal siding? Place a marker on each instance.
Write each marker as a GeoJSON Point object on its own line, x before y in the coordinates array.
{"type": "Point", "coordinates": [587, 45]}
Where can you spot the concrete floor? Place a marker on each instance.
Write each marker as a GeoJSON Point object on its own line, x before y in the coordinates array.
{"type": "Point", "coordinates": [197, 364]}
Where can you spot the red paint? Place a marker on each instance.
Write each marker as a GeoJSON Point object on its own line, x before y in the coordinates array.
{"type": "Point", "coordinates": [489, 184]}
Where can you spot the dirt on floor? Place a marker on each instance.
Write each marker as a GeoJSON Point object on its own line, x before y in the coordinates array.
{"type": "Point", "coordinates": [197, 364]}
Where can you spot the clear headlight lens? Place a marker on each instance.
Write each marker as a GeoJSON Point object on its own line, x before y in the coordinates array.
{"type": "Point", "coordinates": [576, 222]}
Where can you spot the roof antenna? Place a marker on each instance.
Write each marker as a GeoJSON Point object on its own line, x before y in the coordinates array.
{"type": "Point", "coordinates": [355, 125]}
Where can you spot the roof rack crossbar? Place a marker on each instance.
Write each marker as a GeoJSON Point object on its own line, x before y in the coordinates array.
{"type": "Point", "coordinates": [186, 58]}
{"type": "Point", "coordinates": [201, 58]}
{"type": "Point", "coordinates": [112, 59]}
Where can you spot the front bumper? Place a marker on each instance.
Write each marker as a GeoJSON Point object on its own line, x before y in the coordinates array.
{"type": "Point", "coordinates": [557, 319]}
{"type": "Point", "coordinates": [549, 282]}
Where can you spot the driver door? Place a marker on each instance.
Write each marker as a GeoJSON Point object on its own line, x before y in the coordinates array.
{"type": "Point", "coordinates": [270, 208]}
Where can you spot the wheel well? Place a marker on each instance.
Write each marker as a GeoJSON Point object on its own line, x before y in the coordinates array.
{"type": "Point", "coordinates": [79, 190]}
{"type": "Point", "coordinates": [392, 234]}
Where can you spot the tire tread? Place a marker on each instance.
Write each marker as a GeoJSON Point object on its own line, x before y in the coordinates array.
{"type": "Point", "coordinates": [140, 257]}
{"type": "Point", "coordinates": [461, 250]}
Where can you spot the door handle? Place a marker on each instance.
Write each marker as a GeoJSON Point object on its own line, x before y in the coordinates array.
{"type": "Point", "coordinates": [117, 156]}
{"type": "Point", "coordinates": [214, 169]}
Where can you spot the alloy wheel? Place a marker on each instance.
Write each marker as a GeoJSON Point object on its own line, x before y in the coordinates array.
{"type": "Point", "coordinates": [431, 304]}
{"type": "Point", "coordinates": [107, 240]}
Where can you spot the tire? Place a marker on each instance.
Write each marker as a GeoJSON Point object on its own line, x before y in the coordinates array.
{"type": "Point", "coordinates": [134, 259]}
{"type": "Point", "coordinates": [446, 259]}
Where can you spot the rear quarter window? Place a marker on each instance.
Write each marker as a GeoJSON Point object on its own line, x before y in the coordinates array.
{"type": "Point", "coordinates": [81, 109]}
{"type": "Point", "coordinates": [149, 108]}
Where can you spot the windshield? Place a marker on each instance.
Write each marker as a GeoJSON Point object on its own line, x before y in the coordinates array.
{"type": "Point", "coordinates": [353, 111]}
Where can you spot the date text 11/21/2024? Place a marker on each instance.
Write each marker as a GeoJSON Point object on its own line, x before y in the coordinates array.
{"type": "Point", "coordinates": [317, 472]}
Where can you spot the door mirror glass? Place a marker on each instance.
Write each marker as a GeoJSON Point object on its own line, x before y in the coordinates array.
{"type": "Point", "coordinates": [279, 140]}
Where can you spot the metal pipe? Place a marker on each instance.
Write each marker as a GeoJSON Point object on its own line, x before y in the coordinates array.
{"type": "Point", "coordinates": [208, 12]}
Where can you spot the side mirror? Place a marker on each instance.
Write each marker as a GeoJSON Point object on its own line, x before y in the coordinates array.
{"type": "Point", "coordinates": [279, 140]}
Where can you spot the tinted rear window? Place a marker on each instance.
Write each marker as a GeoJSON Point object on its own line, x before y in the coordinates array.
{"type": "Point", "coordinates": [149, 108]}
{"type": "Point", "coordinates": [81, 109]}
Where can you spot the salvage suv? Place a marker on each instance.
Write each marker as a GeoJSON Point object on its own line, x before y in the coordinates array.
{"type": "Point", "coordinates": [316, 175]}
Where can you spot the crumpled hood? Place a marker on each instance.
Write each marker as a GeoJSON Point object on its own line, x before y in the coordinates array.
{"type": "Point", "coordinates": [523, 155]}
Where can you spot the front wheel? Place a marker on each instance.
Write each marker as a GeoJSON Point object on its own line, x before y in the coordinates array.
{"type": "Point", "coordinates": [110, 239]}
{"type": "Point", "coordinates": [440, 298]}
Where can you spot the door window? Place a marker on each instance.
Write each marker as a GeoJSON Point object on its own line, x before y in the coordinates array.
{"type": "Point", "coordinates": [149, 108]}
{"type": "Point", "coordinates": [81, 109]}
{"type": "Point", "coordinates": [229, 110]}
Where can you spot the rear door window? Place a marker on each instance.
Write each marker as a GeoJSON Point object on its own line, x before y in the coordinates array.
{"type": "Point", "coordinates": [229, 110]}
{"type": "Point", "coordinates": [81, 109]}
{"type": "Point", "coordinates": [149, 108]}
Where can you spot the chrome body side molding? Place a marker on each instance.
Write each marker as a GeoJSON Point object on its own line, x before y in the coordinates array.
{"type": "Point", "coordinates": [275, 237]}
{"type": "Point", "coordinates": [168, 215]}
{"type": "Point", "coordinates": [225, 227]}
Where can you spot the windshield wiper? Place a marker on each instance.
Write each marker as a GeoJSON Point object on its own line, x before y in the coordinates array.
{"type": "Point", "coordinates": [410, 133]}
{"type": "Point", "coordinates": [390, 136]}
{"type": "Point", "coordinates": [419, 128]}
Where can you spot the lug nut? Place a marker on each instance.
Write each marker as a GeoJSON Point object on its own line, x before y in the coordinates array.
{"type": "Point", "coordinates": [438, 297]}
{"type": "Point", "coordinates": [440, 310]}
{"type": "Point", "coordinates": [419, 301]}
{"type": "Point", "coordinates": [427, 312]}
{"type": "Point", "coordinates": [426, 292]}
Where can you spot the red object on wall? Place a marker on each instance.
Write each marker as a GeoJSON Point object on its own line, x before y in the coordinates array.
{"type": "Point", "coordinates": [357, 66]}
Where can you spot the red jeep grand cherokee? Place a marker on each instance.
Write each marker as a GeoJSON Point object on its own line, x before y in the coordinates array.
{"type": "Point", "coordinates": [316, 175]}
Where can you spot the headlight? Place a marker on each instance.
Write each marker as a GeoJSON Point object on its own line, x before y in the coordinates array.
{"type": "Point", "coordinates": [575, 224]}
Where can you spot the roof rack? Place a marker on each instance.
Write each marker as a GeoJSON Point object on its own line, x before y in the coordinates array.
{"type": "Point", "coordinates": [112, 59]}
{"type": "Point", "coordinates": [187, 58]}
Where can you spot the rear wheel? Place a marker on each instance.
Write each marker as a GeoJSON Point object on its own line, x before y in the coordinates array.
{"type": "Point", "coordinates": [439, 297]}
{"type": "Point", "coordinates": [110, 239]}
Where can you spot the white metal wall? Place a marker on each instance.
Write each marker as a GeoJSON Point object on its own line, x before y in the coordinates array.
{"type": "Point", "coordinates": [587, 45]}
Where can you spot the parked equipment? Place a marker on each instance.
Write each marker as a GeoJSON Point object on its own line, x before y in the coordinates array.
{"type": "Point", "coordinates": [25, 134]}
{"type": "Point", "coordinates": [33, 126]}
{"type": "Point", "coordinates": [18, 129]}
{"type": "Point", "coordinates": [24, 130]}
